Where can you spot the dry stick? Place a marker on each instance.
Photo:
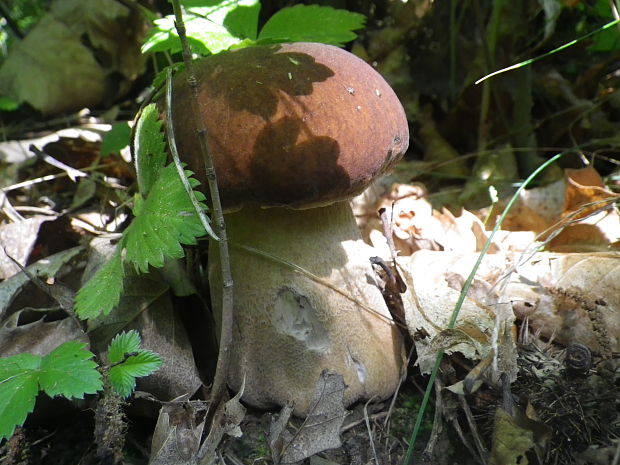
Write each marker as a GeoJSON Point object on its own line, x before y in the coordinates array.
{"type": "Point", "coordinates": [221, 371]}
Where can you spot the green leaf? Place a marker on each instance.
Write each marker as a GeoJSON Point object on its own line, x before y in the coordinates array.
{"type": "Point", "coordinates": [8, 104]}
{"type": "Point", "coordinates": [166, 220]}
{"type": "Point", "coordinates": [19, 387]}
{"type": "Point", "coordinates": [69, 371]}
{"type": "Point", "coordinates": [211, 26]}
{"type": "Point", "coordinates": [116, 138]}
{"type": "Point", "coordinates": [606, 41]}
{"type": "Point", "coordinates": [242, 21]}
{"type": "Point", "coordinates": [123, 376]}
{"type": "Point", "coordinates": [123, 343]}
{"type": "Point", "coordinates": [150, 150]}
{"type": "Point", "coordinates": [164, 38]}
{"type": "Point", "coordinates": [312, 23]}
{"type": "Point", "coordinates": [103, 291]}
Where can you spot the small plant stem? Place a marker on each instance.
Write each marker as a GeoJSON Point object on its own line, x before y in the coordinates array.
{"type": "Point", "coordinates": [221, 371]}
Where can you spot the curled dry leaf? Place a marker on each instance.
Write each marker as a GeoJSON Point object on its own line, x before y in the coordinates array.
{"type": "Point", "coordinates": [16, 241]}
{"type": "Point", "coordinates": [572, 298]}
{"type": "Point", "coordinates": [178, 432]}
{"type": "Point", "coordinates": [319, 431]}
{"type": "Point", "coordinates": [417, 226]}
{"type": "Point", "coordinates": [572, 214]}
{"type": "Point", "coordinates": [434, 280]}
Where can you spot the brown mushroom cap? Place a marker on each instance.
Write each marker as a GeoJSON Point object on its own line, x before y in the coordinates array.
{"type": "Point", "coordinates": [296, 125]}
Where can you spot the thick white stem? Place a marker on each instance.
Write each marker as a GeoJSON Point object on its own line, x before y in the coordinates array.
{"type": "Point", "coordinates": [289, 327]}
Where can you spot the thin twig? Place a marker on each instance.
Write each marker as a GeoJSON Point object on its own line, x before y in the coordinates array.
{"type": "Point", "coordinates": [63, 296]}
{"type": "Point", "coordinates": [221, 372]}
{"type": "Point", "coordinates": [71, 172]}
{"type": "Point", "coordinates": [172, 144]}
{"type": "Point", "coordinates": [370, 432]}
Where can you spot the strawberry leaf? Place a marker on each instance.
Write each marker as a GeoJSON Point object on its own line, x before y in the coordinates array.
{"type": "Point", "coordinates": [166, 219]}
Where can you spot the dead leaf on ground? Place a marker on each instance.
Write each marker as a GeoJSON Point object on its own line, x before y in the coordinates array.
{"type": "Point", "coordinates": [572, 214]}
{"type": "Point", "coordinates": [178, 432]}
{"type": "Point", "coordinates": [573, 298]}
{"type": "Point", "coordinates": [417, 226]}
{"type": "Point", "coordinates": [54, 71]}
{"type": "Point", "coordinates": [17, 240]}
{"type": "Point", "coordinates": [319, 431]}
{"type": "Point", "coordinates": [39, 337]}
{"type": "Point", "coordinates": [226, 421]}
{"type": "Point", "coordinates": [44, 269]}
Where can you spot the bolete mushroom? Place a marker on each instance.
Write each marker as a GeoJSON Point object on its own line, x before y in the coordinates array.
{"type": "Point", "coordinates": [296, 130]}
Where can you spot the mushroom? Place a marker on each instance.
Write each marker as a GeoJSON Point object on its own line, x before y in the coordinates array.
{"type": "Point", "coordinates": [296, 130]}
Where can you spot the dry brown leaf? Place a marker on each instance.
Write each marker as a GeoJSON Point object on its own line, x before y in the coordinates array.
{"type": "Point", "coordinates": [43, 269]}
{"type": "Point", "coordinates": [536, 209]}
{"type": "Point", "coordinates": [16, 241]}
{"type": "Point", "coordinates": [319, 431]}
{"type": "Point", "coordinates": [584, 186]}
{"type": "Point", "coordinates": [434, 281]}
{"type": "Point", "coordinates": [572, 214]}
{"type": "Point", "coordinates": [178, 432]}
{"type": "Point", "coordinates": [574, 298]}
{"type": "Point", "coordinates": [417, 226]}
{"type": "Point", "coordinates": [226, 421]}
{"type": "Point", "coordinates": [52, 70]}
{"type": "Point", "coordinates": [39, 337]}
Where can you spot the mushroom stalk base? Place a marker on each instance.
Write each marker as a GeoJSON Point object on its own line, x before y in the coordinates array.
{"type": "Point", "coordinates": [288, 327]}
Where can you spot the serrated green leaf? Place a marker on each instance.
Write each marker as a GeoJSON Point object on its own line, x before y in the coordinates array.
{"type": "Point", "coordinates": [167, 219]}
{"type": "Point", "coordinates": [116, 138]}
{"type": "Point", "coordinates": [19, 386]}
{"type": "Point", "coordinates": [69, 370]}
{"type": "Point", "coordinates": [18, 393]}
{"type": "Point", "coordinates": [123, 343]}
{"type": "Point", "coordinates": [149, 148]}
{"type": "Point", "coordinates": [103, 291]}
{"type": "Point", "coordinates": [123, 377]}
{"type": "Point", "coordinates": [312, 23]}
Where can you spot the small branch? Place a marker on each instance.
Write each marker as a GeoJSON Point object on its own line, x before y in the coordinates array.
{"type": "Point", "coordinates": [62, 295]}
{"type": "Point", "coordinates": [177, 160]}
{"type": "Point", "coordinates": [221, 372]}
{"type": "Point", "coordinates": [71, 172]}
